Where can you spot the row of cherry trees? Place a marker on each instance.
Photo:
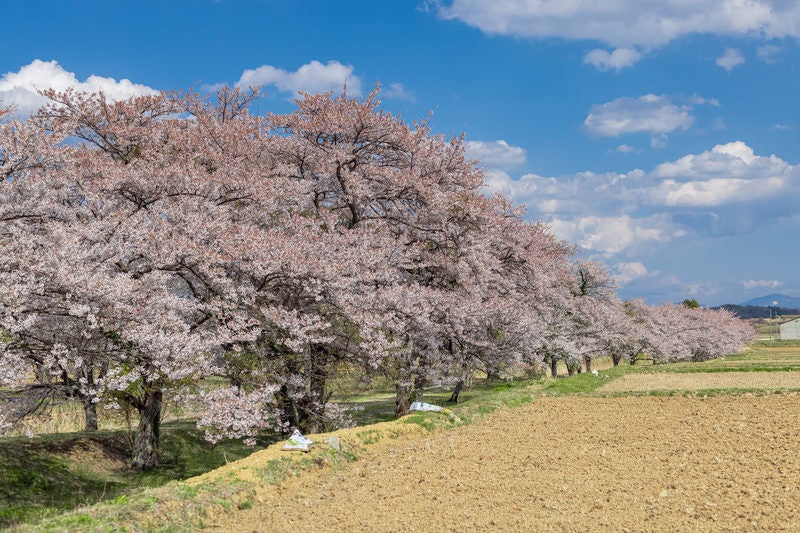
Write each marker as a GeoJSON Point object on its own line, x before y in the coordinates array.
{"type": "Point", "coordinates": [152, 243]}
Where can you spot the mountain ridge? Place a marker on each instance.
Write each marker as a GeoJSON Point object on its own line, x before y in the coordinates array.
{"type": "Point", "coordinates": [773, 300]}
{"type": "Point", "coordinates": [758, 311]}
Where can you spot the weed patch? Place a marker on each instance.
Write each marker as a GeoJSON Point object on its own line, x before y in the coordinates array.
{"type": "Point", "coordinates": [369, 436]}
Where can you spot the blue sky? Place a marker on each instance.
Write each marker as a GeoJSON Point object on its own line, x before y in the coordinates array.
{"type": "Point", "coordinates": [660, 136]}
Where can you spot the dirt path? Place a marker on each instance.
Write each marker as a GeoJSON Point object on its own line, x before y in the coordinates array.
{"type": "Point", "coordinates": [565, 464]}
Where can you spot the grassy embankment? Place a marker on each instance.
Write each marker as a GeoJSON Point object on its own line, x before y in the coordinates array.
{"type": "Point", "coordinates": [48, 475]}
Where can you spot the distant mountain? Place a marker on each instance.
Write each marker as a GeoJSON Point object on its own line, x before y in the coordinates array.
{"type": "Point", "coordinates": [758, 311]}
{"type": "Point", "coordinates": [770, 299]}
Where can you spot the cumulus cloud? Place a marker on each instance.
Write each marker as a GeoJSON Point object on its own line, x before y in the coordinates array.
{"type": "Point", "coordinates": [649, 114]}
{"type": "Point", "coordinates": [627, 23]}
{"type": "Point", "coordinates": [731, 160]}
{"type": "Point", "coordinates": [728, 189]}
{"type": "Point", "coordinates": [617, 60]}
{"type": "Point", "coordinates": [728, 173]}
{"type": "Point", "coordinates": [609, 235]}
{"type": "Point", "coordinates": [715, 192]}
{"type": "Point", "coordinates": [628, 272]}
{"type": "Point", "coordinates": [20, 88]}
{"type": "Point", "coordinates": [731, 59]}
{"type": "Point", "coordinates": [496, 154]}
{"type": "Point", "coordinates": [724, 175]}
{"type": "Point", "coordinates": [761, 284]}
{"type": "Point", "coordinates": [585, 192]}
{"type": "Point", "coordinates": [313, 77]}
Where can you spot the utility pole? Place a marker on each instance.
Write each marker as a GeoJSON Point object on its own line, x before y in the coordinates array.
{"type": "Point", "coordinates": [774, 307]}
{"type": "Point", "coordinates": [769, 325]}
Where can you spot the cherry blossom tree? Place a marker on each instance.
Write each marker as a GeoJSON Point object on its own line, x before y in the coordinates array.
{"type": "Point", "coordinates": [412, 202]}
{"type": "Point", "coordinates": [152, 243]}
{"type": "Point", "coordinates": [628, 331]}
{"type": "Point", "coordinates": [95, 236]}
{"type": "Point", "coordinates": [681, 333]}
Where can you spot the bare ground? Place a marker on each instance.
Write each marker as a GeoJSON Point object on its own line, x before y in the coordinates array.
{"type": "Point", "coordinates": [561, 464]}
{"type": "Point", "coordinates": [703, 380]}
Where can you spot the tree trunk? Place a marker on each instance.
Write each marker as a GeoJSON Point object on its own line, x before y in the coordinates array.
{"type": "Point", "coordinates": [313, 412]}
{"type": "Point", "coordinates": [588, 361]}
{"type": "Point", "coordinates": [633, 358]}
{"type": "Point", "coordinates": [454, 396]}
{"type": "Point", "coordinates": [570, 370]}
{"type": "Point", "coordinates": [89, 407]}
{"type": "Point", "coordinates": [553, 367]}
{"type": "Point", "coordinates": [402, 400]}
{"type": "Point", "coordinates": [419, 387]}
{"type": "Point", "coordinates": [616, 358]}
{"type": "Point", "coordinates": [90, 414]}
{"type": "Point", "coordinates": [467, 373]}
{"type": "Point", "coordinates": [145, 442]}
{"type": "Point", "coordinates": [290, 415]}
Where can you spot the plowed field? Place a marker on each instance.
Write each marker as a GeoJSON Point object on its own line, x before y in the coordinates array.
{"type": "Point", "coordinates": [720, 463]}
{"type": "Point", "coordinates": [703, 380]}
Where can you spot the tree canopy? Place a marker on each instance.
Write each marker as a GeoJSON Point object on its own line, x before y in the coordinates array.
{"type": "Point", "coordinates": [151, 243]}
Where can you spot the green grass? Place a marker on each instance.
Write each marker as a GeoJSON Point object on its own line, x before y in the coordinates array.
{"type": "Point", "coordinates": [47, 475]}
{"type": "Point", "coordinates": [277, 470]}
{"type": "Point", "coordinates": [759, 357]}
{"type": "Point", "coordinates": [369, 436]}
{"type": "Point", "coordinates": [586, 382]}
{"type": "Point", "coordinates": [165, 509]}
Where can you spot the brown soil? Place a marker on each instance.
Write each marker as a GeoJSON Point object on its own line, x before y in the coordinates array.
{"type": "Point", "coordinates": [98, 457]}
{"type": "Point", "coordinates": [612, 464]}
{"type": "Point", "coordinates": [705, 380]}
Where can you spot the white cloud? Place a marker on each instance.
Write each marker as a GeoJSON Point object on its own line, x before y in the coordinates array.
{"type": "Point", "coordinates": [659, 141]}
{"type": "Point", "coordinates": [768, 53]}
{"type": "Point", "coordinates": [649, 113]}
{"type": "Point", "coordinates": [732, 160]}
{"type": "Point", "coordinates": [724, 175]}
{"type": "Point", "coordinates": [498, 181]}
{"type": "Point", "coordinates": [313, 77]}
{"type": "Point", "coordinates": [715, 192]}
{"type": "Point", "coordinates": [727, 174]}
{"type": "Point", "coordinates": [628, 272]}
{"type": "Point", "coordinates": [398, 91]}
{"type": "Point", "coordinates": [496, 154]}
{"type": "Point", "coordinates": [728, 189]}
{"type": "Point", "coordinates": [586, 192]}
{"type": "Point", "coordinates": [616, 60]}
{"type": "Point", "coordinates": [609, 235]}
{"type": "Point", "coordinates": [696, 99]}
{"type": "Point", "coordinates": [761, 284]}
{"type": "Point", "coordinates": [628, 23]}
{"type": "Point", "coordinates": [703, 289]}
{"type": "Point", "coordinates": [731, 59]}
{"type": "Point", "coordinates": [781, 127]}
{"type": "Point", "coordinates": [20, 88]}
{"type": "Point", "coordinates": [625, 149]}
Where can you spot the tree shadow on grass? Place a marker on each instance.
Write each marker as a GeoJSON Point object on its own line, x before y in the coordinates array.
{"type": "Point", "coordinates": [49, 474]}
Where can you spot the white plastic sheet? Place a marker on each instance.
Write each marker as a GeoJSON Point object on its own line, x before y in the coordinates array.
{"type": "Point", "coordinates": [422, 406]}
{"type": "Point", "coordinates": [298, 441]}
